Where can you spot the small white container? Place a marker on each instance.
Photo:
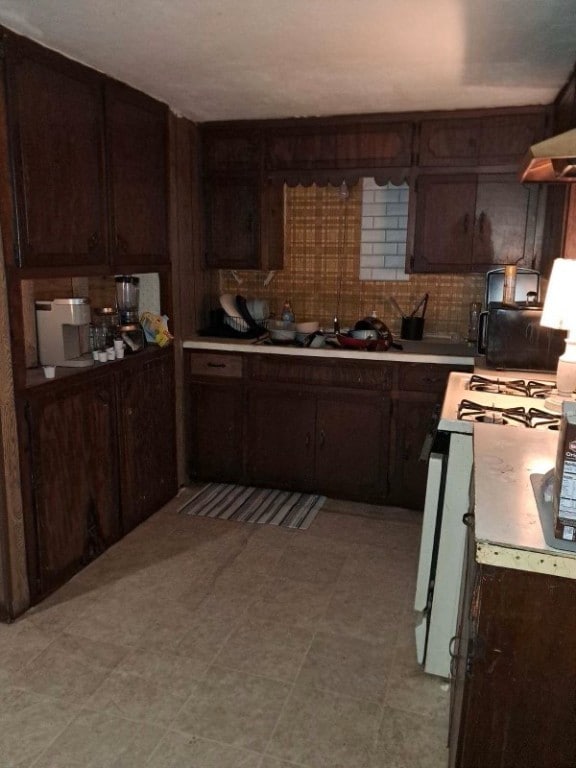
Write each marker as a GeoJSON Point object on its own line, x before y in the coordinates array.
{"type": "Point", "coordinates": [102, 356]}
{"type": "Point", "coordinates": [119, 354]}
{"type": "Point", "coordinates": [110, 354]}
{"type": "Point", "coordinates": [49, 371]}
{"type": "Point", "coordinates": [95, 354]}
{"type": "Point", "coordinates": [118, 346]}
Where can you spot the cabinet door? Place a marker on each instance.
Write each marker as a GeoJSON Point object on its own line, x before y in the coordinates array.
{"type": "Point", "coordinates": [352, 446]}
{"type": "Point", "coordinates": [505, 222]}
{"type": "Point", "coordinates": [56, 137]}
{"type": "Point", "coordinates": [225, 152]}
{"type": "Point", "coordinates": [490, 140]}
{"type": "Point", "coordinates": [216, 433]}
{"type": "Point", "coordinates": [449, 142]}
{"type": "Point", "coordinates": [136, 133]}
{"type": "Point", "coordinates": [505, 139]}
{"type": "Point", "coordinates": [73, 463]}
{"type": "Point", "coordinates": [374, 146]}
{"type": "Point", "coordinates": [412, 416]}
{"type": "Point", "coordinates": [232, 221]}
{"type": "Point", "coordinates": [445, 212]}
{"type": "Point", "coordinates": [299, 149]}
{"type": "Point", "coordinates": [280, 438]}
{"type": "Point", "coordinates": [147, 439]}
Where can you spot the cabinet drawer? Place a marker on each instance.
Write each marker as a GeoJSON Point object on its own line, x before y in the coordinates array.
{"type": "Point", "coordinates": [421, 377]}
{"type": "Point", "coordinates": [216, 365]}
{"type": "Point", "coordinates": [328, 372]}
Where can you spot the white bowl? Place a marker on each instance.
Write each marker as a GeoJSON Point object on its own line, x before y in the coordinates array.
{"type": "Point", "coordinates": [307, 327]}
{"type": "Point", "coordinates": [281, 331]}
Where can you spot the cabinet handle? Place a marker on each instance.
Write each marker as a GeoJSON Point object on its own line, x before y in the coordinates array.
{"type": "Point", "coordinates": [307, 440]}
{"type": "Point", "coordinates": [322, 438]}
{"type": "Point", "coordinates": [121, 245]}
{"type": "Point", "coordinates": [466, 222]}
{"type": "Point", "coordinates": [93, 242]}
{"type": "Point", "coordinates": [216, 365]}
{"type": "Point", "coordinates": [481, 220]}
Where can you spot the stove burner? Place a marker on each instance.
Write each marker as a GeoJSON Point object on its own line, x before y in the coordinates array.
{"type": "Point", "coordinates": [533, 418]}
{"type": "Point", "coordinates": [521, 387]}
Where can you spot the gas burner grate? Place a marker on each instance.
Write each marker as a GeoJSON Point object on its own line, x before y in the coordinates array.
{"type": "Point", "coordinates": [520, 387]}
{"type": "Point", "coordinates": [533, 418]}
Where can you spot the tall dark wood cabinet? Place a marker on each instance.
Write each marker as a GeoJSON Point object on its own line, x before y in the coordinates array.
{"type": "Point", "coordinates": [471, 222]}
{"type": "Point", "coordinates": [70, 458]}
{"type": "Point", "coordinates": [513, 693]}
{"type": "Point", "coordinates": [55, 124]}
{"type": "Point", "coordinates": [136, 141]}
{"type": "Point", "coordinates": [147, 433]}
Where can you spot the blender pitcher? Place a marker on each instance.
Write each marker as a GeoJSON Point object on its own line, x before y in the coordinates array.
{"type": "Point", "coordinates": [127, 291]}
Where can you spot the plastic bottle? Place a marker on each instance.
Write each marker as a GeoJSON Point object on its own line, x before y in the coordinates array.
{"type": "Point", "coordinates": [287, 315]}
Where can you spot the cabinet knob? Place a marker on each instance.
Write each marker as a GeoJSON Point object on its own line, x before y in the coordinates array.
{"type": "Point", "coordinates": [93, 242]}
{"type": "Point", "coordinates": [121, 245]}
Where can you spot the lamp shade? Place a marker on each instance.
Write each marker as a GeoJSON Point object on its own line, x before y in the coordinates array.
{"type": "Point", "coordinates": [560, 305]}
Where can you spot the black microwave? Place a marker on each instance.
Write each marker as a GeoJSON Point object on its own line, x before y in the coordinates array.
{"type": "Point", "coordinates": [512, 338]}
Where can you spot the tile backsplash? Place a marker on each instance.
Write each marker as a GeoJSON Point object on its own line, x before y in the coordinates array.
{"type": "Point", "coordinates": [321, 275]}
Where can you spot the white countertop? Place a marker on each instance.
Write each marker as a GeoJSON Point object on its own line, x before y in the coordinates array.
{"type": "Point", "coordinates": [425, 351]}
{"type": "Point", "coordinates": [507, 524]}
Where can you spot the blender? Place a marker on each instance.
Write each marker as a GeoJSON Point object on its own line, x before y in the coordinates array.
{"type": "Point", "coordinates": [129, 330]}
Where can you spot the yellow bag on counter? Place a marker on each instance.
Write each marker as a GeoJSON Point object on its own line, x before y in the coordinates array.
{"type": "Point", "coordinates": [156, 328]}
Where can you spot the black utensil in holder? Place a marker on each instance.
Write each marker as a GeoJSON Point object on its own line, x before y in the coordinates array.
{"type": "Point", "coordinates": [412, 328]}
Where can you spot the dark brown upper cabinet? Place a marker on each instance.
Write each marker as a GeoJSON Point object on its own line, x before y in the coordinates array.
{"type": "Point", "coordinates": [55, 125]}
{"type": "Point", "coordinates": [471, 222]}
{"type": "Point", "coordinates": [88, 167]}
{"type": "Point", "coordinates": [226, 152]}
{"type": "Point", "coordinates": [136, 140]}
{"type": "Point", "coordinates": [480, 141]}
{"type": "Point", "coordinates": [338, 147]}
{"type": "Point", "coordinates": [243, 211]}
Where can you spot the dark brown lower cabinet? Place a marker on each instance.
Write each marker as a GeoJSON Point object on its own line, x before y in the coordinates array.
{"type": "Point", "coordinates": [98, 457]}
{"type": "Point", "coordinates": [413, 413]}
{"type": "Point", "coordinates": [352, 437]}
{"type": "Point", "coordinates": [513, 698]}
{"type": "Point", "coordinates": [216, 430]}
{"type": "Point", "coordinates": [324, 440]}
{"type": "Point", "coordinates": [148, 477]}
{"type": "Point", "coordinates": [70, 455]}
{"type": "Point", "coordinates": [281, 441]}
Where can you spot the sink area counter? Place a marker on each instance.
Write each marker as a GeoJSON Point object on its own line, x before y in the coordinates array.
{"type": "Point", "coordinates": [442, 352]}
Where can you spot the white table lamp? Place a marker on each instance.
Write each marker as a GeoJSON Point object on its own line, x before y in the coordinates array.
{"type": "Point", "coordinates": [560, 312]}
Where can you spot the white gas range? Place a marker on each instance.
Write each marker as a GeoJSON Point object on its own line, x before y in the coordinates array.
{"type": "Point", "coordinates": [505, 401]}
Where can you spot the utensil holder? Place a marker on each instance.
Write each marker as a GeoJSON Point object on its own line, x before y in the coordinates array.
{"type": "Point", "coordinates": [412, 328]}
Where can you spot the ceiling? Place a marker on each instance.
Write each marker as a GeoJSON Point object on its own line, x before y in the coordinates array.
{"type": "Point", "coordinates": [234, 59]}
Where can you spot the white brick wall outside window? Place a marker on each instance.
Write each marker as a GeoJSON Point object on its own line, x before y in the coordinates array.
{"type": "Point", "coordinates": [384, 228]}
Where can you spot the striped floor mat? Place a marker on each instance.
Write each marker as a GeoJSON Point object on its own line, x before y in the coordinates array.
{"type": "Point", "coordinates": [254, 505]}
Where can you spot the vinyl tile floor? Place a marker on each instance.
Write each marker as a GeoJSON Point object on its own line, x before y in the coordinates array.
{"type": "Point", "coordinates": [198, 643]}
